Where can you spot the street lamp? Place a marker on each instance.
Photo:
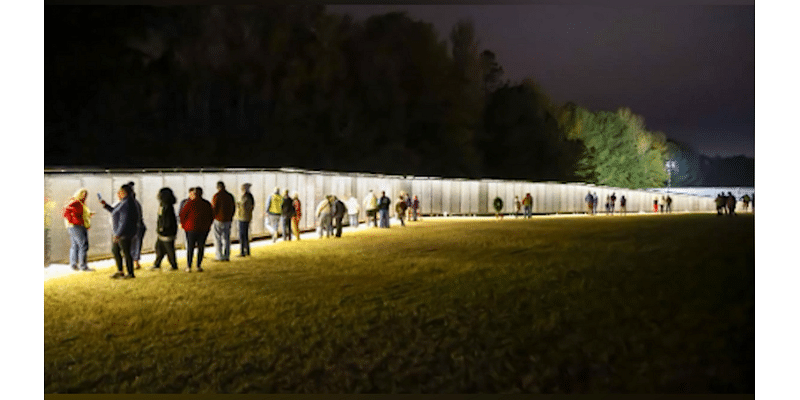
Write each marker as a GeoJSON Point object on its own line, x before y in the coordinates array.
{"type": "Point", "coordinates": [671, 166]}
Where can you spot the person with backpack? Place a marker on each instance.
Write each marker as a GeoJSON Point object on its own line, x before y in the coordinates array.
{"type": "Point", "coordinates": [287, 212]}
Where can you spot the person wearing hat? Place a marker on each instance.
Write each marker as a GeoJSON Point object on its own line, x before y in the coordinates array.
{"type": "Point", "coordinates": [244, 214]}
{"type": "Point", "coordinates": [274, 203]}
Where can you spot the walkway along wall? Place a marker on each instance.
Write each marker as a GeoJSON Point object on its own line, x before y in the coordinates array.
{"type": "Point", "coordinates": [437, 196]}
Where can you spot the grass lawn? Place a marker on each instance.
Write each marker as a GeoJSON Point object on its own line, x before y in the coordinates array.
{"type": "Point", "coordinates": [642, 303]}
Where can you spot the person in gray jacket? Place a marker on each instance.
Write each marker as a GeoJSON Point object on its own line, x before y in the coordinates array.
{"type": "Point", "coordinates": [125, 219]}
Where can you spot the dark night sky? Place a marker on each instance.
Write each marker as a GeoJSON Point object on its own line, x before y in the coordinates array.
{"type": "Point", "coordinates": [688, 70]}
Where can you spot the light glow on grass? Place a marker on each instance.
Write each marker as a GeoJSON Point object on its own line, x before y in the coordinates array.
{"type": "Point", "coordinates": [633, 304]}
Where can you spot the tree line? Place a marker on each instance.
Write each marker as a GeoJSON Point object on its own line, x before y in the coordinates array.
{"type": "Point", "coordinates": [296, 86]}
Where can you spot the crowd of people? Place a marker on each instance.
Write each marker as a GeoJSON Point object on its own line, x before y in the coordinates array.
{"type": "Point", "coordinates": [198, 217]}
{"type": "Point", "coordinates": [726, 204]}
{"type": "Point", "coordinates": [592, 203]}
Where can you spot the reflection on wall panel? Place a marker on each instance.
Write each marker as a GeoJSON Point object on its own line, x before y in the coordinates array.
{"type": "Point", "coordinates": [436, 195]}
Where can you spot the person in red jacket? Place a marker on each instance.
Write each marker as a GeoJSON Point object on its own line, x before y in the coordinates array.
{"type": "Point", "coordinates": [196, 216]}
{"type": "Point", "coordinates": [77, 218]}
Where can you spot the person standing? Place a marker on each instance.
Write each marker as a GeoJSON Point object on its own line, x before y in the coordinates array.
{"type": "Point", "coordinates": [339, 210]}
{"type": "Point", "coordinates": [527, 203]}
{"type": "Point", "coordinates": [124, 222]}
{"type": "Point", "coordinates": [655, 204]}
{"type": "Point", "coordinates": [400, 208]}
{"type": "Point", "coordinates": [498, 208]}
{"type": "Point", "coordinates": [719, 201]}
{"type": "Point", "coordinates": [613, 202]}
{"type": "Point", "coordinates": [407, 200]}
{"type": "Point", "coordinates": [731, 202]}
{"type": "Point", "coordinates": [166, 229]}
{"type": "Point", "coordinates": [298, 212]}
{"type": "Point", "coordinates": [352, 211]}
{"type": "Point", "coordinates": [371, 208]}
{"type": "Point", "coordinates": [224, 206]}
{"type": "Point", "coordinates": [287, 212]}
{"type": "Point", "coordinates": [589, 203]}
{"type": "Point", "coordinates": [669, 204]}
{"type": "Point", "coordinates": [415, 208]}
{"type": "Point", "coordinates": [197, 215]}
{"type": "Point", "coordinates": [324, 209]}
{"type": "Point", "coordinates": [595, 201]}
{"type": "Point", "coordinates": [746, 201]}
{"type": "Point", "coordinates": [517, 206]}
{"type": "Point", "coordinates": [622, 205]}
{"type": "Point", "coordinates": [274, 203]}
{"type": "Point", "coordinates": [244, 214]}
{"type": "Point", "coordinates": [383, 209]}
{"type": "Point", "coordinates": [78, 220]}
{"type": "Point", "coordinates": [136, 243]}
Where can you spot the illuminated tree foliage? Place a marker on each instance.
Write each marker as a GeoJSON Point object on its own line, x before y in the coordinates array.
{"type": "Point", "coordinates": [617, 149]}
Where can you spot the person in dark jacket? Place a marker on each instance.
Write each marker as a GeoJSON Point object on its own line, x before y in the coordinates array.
{"type": "Point", "coordinates": [730, 201]}
{"type": "Point", "coordinates": [339, 210]}
{"type": "Point", "coordinates": [124, 221]}
{"type": "Point", "coordinates": [287, 212]}
{"type": "Point", "coordinates": [383, 209]}
{"type": "Point", "coordinates": [197, 215]}
{"type": "Point", "coordinates": [166, 228]}
{"type": "Point", "coordinates": [224, 206]}
{"type": "Point", "coordinates": [136, 243]}
{"type": "Point", "coordinates": [400, 209]}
